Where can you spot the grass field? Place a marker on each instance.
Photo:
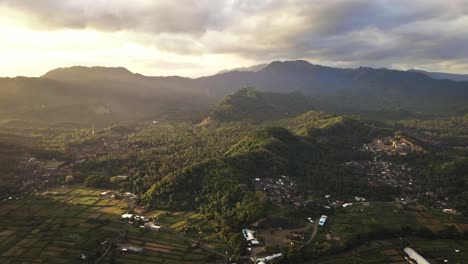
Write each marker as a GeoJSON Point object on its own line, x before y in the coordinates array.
{"type": "Point", "coordinates": [56, 226]}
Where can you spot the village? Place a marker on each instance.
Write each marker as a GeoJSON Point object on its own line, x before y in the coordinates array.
{"type": "Point", "coordinates": [377, 171]}
{"type": "Point", "coordinates": [395, 145]}
{"type": "Point", "coordinates": [281, 191]}
{"type": "Point", "coordinates": [39, 173]}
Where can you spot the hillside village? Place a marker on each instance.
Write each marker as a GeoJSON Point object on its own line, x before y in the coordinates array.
{"type": "Point", "coordinates": [395, 145]}
{"type": "Point", "coordinates": [281, 191]}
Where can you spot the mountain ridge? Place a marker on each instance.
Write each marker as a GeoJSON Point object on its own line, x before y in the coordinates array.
{"type": "Point", "coordinates": [443, 75]}
{"type": "Point", "coordinates": [132, 96]}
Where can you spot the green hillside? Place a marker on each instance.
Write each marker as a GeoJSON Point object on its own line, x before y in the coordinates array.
{"type": "Point", "coordinates": [222, 188]}
{"type": "Point", "coordinates": [250, 105]}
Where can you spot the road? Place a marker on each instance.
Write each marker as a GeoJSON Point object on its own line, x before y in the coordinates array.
{"type": "Point", "coordinates": [113, 242]}
{"type": "Point", "coordinates": [200, 245]}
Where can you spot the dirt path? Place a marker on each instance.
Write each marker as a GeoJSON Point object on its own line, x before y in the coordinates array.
{"type": "Point", "coordinates": [313, 235]}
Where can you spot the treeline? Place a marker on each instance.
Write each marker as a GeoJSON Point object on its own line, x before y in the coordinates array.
{"type": "Point", "coordinates": [151, 154]}
{"type": "Point", "coordinates": [449, 179]}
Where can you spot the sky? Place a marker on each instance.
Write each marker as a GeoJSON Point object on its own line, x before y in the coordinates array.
{"type": "Point", "coordinates": [201, 37]}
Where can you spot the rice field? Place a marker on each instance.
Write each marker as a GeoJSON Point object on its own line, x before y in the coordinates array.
{"type": "Point", "coordinates": [61, 224]}
{"type": "Point", "coordinates": [359, 221]}
{"type": "Point", "coordinates": [390, 251]}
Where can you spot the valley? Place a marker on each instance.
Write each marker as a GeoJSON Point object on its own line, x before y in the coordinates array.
{"type": "Point", "coordinates": [234, 132]}
{"type": "Point", "coordinates": [205, 182]}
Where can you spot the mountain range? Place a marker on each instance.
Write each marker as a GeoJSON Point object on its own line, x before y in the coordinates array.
{"type": "Point", "coordinates": [82, 95]}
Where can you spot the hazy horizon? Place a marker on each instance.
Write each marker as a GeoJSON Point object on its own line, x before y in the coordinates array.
{"type": "Point", "coordinates": [215, 72]}
{"type": "Point", "coordinates": [199, 38]}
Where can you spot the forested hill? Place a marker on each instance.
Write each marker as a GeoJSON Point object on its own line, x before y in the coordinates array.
{"type": "Point", "coordinates": [223, 188]}
{"type": "Point", "coordinates": [251, 105]}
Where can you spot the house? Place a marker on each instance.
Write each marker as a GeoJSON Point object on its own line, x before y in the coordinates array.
{"type": "Point", "coordinates": [130, 248]}
{"type": "Point", "coordinates": [152, 226]}
{"type": "Point", "coordinates": [249, 235]}
{"type": "Point", "coordinates": [359, 199]}
{"type": "Point", "coordinates": [127, 216]}
{"type": "Point", "coordinates": [130, 195]}
{"type": "Point", "coordinates": [449, 211]}
{"type": "Point", "coordinates": [322, 220]}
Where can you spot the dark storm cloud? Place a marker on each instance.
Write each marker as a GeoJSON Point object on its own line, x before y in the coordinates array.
{"type": "Point", "coordinates": [349, 31]}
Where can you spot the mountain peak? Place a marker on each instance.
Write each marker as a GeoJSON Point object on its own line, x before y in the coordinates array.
{"type": "Point", "coordinates": [252, 105]}
{"type": "Point", "coordinates": [297, 65]}
{"type": "Point", "coordinates": [79, 72]}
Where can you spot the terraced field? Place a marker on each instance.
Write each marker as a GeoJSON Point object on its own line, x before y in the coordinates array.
{"type": "Point", "coordinates": [60, 225]}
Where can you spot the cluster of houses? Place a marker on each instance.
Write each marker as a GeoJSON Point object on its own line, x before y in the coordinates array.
{"type": "Point", "coordinates": [393, 146]}
{"type": "Point", "coordinates": [282, 190]}
{"type": "Point", "coordinates": [131, 218]}
{"type": "Point", "coordinates": [143, 222]}
{"type": "Point", "coordinates": [43, 170]}
{"type": "Point", "coordinates": [35, 174]}
{"type": "Point", "coordinates": [329, 203]}
{"type": "Point", "coordinates": [379, 173]}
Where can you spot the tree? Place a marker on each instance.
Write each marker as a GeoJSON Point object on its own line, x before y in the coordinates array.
{"type": "Point", "coordinates": [96, 181]}
{"type": "Point", "coordinates": [69, 179]}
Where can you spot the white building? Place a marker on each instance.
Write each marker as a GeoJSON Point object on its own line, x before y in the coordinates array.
{"type": "Point", "coordinates": [126, 216]}
{"type": "Point", "coordinates": [359, 199]}
{"type": "Point", "coordinates": [152, 226]}
{"type": "Point", "coordinates": [415, 256]}
{"type": "Point", "coordinates": [249, 235]}
{"type": "Point", "coordinates": [267, 258]}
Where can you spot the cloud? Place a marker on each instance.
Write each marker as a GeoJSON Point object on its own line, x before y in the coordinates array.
{"type": "Point", "coordinates": [384, 33]}
{"type": "Point", "coordinates": [191, 16]}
